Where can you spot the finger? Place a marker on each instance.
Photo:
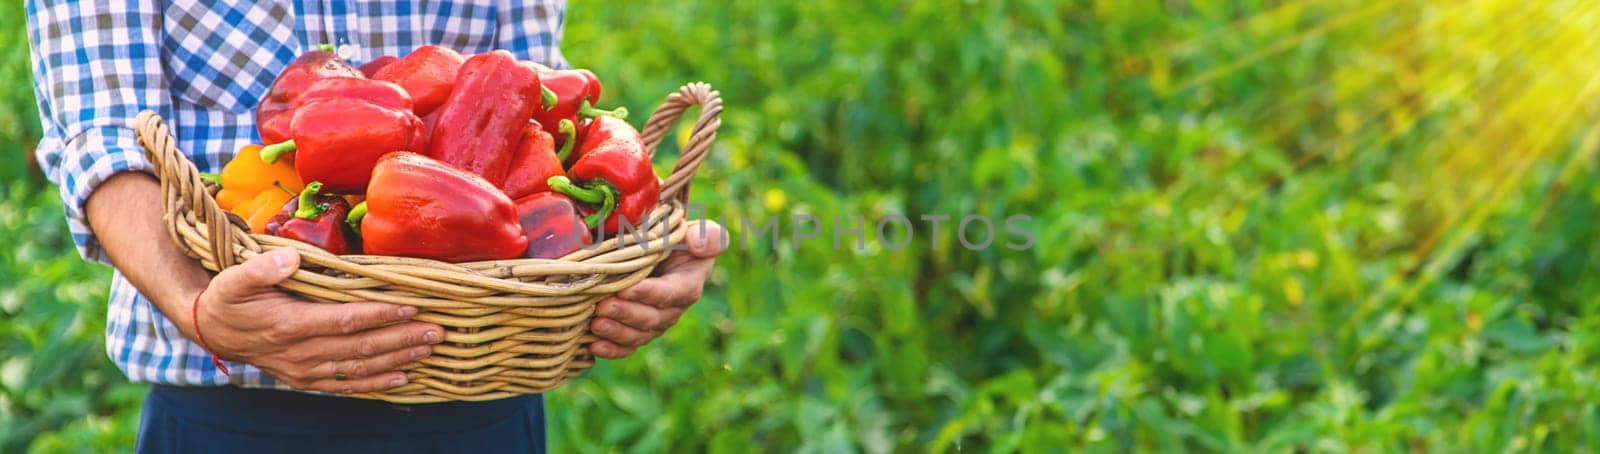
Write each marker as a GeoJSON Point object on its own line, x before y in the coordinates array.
{"type": "Point", "coordinates": [374, 342]}
{"type": "Point", "coordinates": [610, 350]}
{"type": "Point", "coordinates": [679, 286]}
{"type": "Point", "coordinates": [367, 384]}
{"type": "Point", "coordinates": [706, 239]}
{"type": "Point", "coordinates": [261, 272]}
{"type": "Point", "coordinates": [620, 334]}
{"type": "Point", "coordinates": [322, 319]}
{"type": "Point", "coordinates": [635, 315]}
{"type": "Point", "coordinates": [362, 367]}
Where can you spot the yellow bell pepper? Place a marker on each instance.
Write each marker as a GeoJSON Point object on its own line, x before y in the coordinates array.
{"type": "Point", "coordinates": [256, 190]}
{"type": "Point", "coordinates": [257, 211]}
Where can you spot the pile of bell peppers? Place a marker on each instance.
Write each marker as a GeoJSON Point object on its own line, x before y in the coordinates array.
{"type": "Point", "coordinates": [439, 155]}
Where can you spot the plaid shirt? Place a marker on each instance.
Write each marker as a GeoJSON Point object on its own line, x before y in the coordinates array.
{"type": "Point", "coordinates": [203, 65]}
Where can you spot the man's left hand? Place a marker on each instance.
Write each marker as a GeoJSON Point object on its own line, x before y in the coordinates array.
{"type": "Point", "coordinates": [641, 313]}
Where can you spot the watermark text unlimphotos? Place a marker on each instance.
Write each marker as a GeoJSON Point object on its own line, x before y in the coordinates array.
{"type": "Point", "coordinates": [892, 231]}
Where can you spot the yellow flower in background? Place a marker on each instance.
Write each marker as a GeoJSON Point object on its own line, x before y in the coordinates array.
{"type": "Point", "coordinates": [737, 157]}
{"type": "Point", "coordinates": [1293, 292]}
{"type": "Point", "coordinates": [776, 200]}
{"type": "Point", "coordinates": [685, 130]}
{"type": "Point", "coordinates": [1305, 258]}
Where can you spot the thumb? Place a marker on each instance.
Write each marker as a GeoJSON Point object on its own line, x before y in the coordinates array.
{"type": "Point", "coordinates": [706, 239]}
{"type": "Point", "coordinates": [257, 274]}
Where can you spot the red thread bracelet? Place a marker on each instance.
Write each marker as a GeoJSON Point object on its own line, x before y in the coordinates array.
{"type": "Point", "coordinates": [215, 361]}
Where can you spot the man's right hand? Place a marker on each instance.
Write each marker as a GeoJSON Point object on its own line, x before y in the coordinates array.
{"type": "Point", "coordinates": [341, 348]}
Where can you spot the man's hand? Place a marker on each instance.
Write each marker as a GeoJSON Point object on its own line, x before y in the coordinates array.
{"type": "Point", "coordinates": [341, 348]}
{"type": "Point", "coordinates": [643, 312]}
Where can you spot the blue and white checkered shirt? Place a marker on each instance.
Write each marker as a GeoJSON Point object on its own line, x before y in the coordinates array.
{"type": "Point", "coordinates": [203, 65]}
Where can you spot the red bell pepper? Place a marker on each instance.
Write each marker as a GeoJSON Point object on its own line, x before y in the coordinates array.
{"type": "Point", "coordinates": [419, 207]}
{"type": "Point", "coordinates": [337, 140]}
{"type": "Point", "coordinates": [536, 66]}
{"type": "Point", "coordinates": [481, 122]}
{"type": "Point", "coordinates": [427, 73]}
{"type": "Point", "coordinates": [576, 92]}
{"type": "Point", "coordinates": [318, 220]}
{"type": "Point", "coordinates": [613, 176]}
{"type": "Point", "coordinates": [371, 68]}
{"type": "Point", "coordinates": [369, 90]}
{"type": "Point", "coordinates": [425, 143]}
{"type": "Point", "coordinates": [548, 97]}
{"type": "Point", "coordinates": [552, 224]}
{"type": "Point", "coordinates": [533, 163]}
{"type": "Point", "coordinates": [277, 108]}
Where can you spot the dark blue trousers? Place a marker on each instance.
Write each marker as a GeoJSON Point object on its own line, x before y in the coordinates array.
{"type": "Point", "coordinates": [235, 420]}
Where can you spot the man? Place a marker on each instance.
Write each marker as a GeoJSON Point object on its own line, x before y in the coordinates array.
{"type": "Point", "coordinates": [204, 66]}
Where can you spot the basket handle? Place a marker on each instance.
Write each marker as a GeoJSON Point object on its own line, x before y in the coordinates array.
{"type": "Point", "coordinates": [676, 185]}
{"type": "Point", "coordinates": [184, 192]}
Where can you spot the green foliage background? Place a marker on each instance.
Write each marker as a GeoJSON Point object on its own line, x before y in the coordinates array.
{"type": "Point", "coordinates": [1312, 225]}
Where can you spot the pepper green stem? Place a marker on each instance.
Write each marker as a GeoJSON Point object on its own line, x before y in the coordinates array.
{"type": "Point", "coordinates": [569, 135]}
{"type": "Point", "coordinates": [270, 153]}
{"type": "Point", "coordinates": [601, 194]}
{"type": "Point", "coordinates": [309, 209]}
{"type": "Point", "coordinates": [549, 96]}
{"type": "Point", "coordinates": [598, 218]}
{"type": "Point", "coordinates": [281, 187]}
{"type": "Point", "coordinates": [325, 47]}
{"type": "Point", "coordinates": [587, 110]}
{"type": "Point", "coordinates": [357, 213]}
{"type": "Point", "coordinates": [212, 178]}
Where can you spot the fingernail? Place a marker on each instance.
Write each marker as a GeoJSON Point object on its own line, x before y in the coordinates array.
{"type": "Point", "coordinates": [398, 381]}
{"type": "Point", "coordinates": [280, 259]}
{"type": "Point", "coordinates": [697, 240]}
{"type": "Point", "coordinates": [707, 240]}
{"type": "Point", "coordinates": [612, 310]}
{"type": "Point", "coordinates": [630, 293]}
{"type": "Point", "coordinates": [431, 337]}
{"type": "Point", "coordinates": [419, 352]}
{"type": "Point", "coordinates": [709, 245]}
{"type": "Point", "coordinates": [406, 311]}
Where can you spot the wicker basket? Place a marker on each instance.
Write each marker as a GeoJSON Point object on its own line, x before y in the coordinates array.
{"type": "Point", "coordinates": [511, 326]}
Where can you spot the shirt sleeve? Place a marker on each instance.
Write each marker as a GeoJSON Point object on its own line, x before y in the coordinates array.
{"type": "Point", "coordinates": [532, 30]}
{"type": "Point", "coordinates": [96, 65]}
